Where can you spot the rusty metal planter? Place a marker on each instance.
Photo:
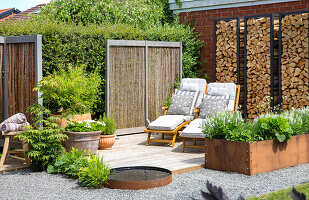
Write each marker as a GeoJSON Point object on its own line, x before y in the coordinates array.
{"type": "Point", "coordinates": [257, 157]}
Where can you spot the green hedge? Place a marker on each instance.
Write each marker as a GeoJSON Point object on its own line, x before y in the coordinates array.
{"type": "Point", "coordinates": [84, 43]}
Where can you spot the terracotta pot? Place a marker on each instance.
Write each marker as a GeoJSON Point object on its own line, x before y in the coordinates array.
{"type": "Point", "coordinates": [106, 142]}
{"type": "Point", "coordinates": [75, 118]}
{"type": "Point", "coordinates": [83, 140]}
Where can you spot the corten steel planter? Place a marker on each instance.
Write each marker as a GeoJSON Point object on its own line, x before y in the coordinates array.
{"type": "Point", "coordinates": [257, 157]}
{"type": "Point", "coordinates": [83, 141]}
{"type": "Point", "coordinates": [75, 118]}
{"type": "Point", "coordinates": [106, 142]}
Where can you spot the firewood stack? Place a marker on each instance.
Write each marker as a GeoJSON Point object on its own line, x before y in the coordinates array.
{"type": "Point", "coordinates": [226, 51]}
{"type": "Point", "coordinates": [258, 63]}
{"type": "Point", "coordinates": [226, 54]}
{"type": "Point", "coordinates": [294, 61]}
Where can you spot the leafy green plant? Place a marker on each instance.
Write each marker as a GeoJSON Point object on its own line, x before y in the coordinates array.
{"type": "Point", "coordinates": [69, 163]}
{"type": "Point", "coordinates": [273, 127]}
{"type": "Point", "coordinates": [223, 124]}
{"type": "Point", "coordinates": [176, 85]}
{"type": "Point", "coordinates": [70, 90]}
{"type": "Point", "coordinates": [110, 125]}
{"type": "Point", "coordinates": [86, 126]}
{"type": "Point", "coordinates": [95, 174]}
{"type": "Point", "coordinates": [298, 120]}
{"type": "Point", "coordinates": [76, 43]}
{"type": "Point", "coordinates": [43, 137]}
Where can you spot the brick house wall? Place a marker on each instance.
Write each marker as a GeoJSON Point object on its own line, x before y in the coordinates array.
{"type": "Point", "coordinates": [204, 21]}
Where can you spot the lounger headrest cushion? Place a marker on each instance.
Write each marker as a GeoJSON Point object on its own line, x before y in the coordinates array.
{"type": "Point", "coordinates": [193, 84]}
{"type": "Point", "coordinates": [214, 91]}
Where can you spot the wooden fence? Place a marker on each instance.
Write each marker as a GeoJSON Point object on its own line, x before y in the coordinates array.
{"type": "Point", "coordinates": [21, 69]}
{"type": "Point", "coordinates": [139, 78]}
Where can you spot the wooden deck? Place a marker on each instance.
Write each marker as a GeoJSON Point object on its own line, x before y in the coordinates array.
{"type": "Point", "coordinates": [130, 150]}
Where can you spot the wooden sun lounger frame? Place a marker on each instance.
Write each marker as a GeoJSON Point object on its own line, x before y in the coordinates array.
{"type": "Point", "coordinates": [171, 132]}
{"type": "Point", "coordinates": [195, 146]}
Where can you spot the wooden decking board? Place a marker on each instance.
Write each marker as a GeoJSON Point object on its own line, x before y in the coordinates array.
{"type": "Point", "coordinates": [130, 150]}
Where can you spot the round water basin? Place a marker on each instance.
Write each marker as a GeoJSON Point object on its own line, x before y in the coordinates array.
{"type": "Point", "coordinates": [139, 177]}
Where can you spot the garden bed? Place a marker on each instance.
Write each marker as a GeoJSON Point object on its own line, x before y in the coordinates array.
{"type": "Point", "coordinates": [257, 157]}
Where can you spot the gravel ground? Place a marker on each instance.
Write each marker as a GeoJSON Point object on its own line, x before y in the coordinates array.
{"type": "Point", "coordinates": [25, 184]}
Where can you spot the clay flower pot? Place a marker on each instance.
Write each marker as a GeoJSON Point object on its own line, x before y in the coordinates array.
{"type": "Point", "coordinates": [106, 142]}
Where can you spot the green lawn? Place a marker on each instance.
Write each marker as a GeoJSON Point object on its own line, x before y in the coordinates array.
{"type": "Point", "coordinates": [283, 194]}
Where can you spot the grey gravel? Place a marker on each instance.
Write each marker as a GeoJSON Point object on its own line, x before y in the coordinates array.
{"type": "Point", "coordinates": [25, 184]}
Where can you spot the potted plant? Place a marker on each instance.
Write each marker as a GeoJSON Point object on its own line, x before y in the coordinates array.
{"type": "Point", "coordinates": [70, 92]}
{"type": "Point", "coordinates": [107, 137]}
{"type": "Point", "coordinates": [84, 135]}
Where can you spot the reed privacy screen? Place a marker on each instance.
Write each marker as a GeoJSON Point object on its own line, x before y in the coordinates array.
{"type": "Point", "coordinates": [138, 79]}
{"type": "Point", "coordinates": [21, 61]}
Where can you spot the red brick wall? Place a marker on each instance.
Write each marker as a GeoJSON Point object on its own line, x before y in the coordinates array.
{"type": "Point", "coordinates": [204, 22]}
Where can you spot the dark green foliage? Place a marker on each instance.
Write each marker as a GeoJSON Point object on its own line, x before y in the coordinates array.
{"type": "Point", "coordinates": [139, 13]}
{"type": "Point", "coordinates": [85, 126]}
{"type": "Point", "coordinates": [84, 43]}
{"type": "Point", "coordinates": [70, 90]}
{"type": "Point", "coordinates": [44, 142]}
{"type": "Point", "coordinates": [172, 89]}
{"type": "Point", "coordinates": [95, 174]}
{"type": "Point", "coordinates": [110, 125]}
{"type": "Point", "coordinates": [90, 170]}
{"type": "Point", "coordinates": [69, 163]}
{"type": "Point", "coordinates": [273, 127]}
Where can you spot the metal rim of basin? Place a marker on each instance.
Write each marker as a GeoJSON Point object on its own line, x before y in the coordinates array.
{"type": "Point", "coordinates": [140, 184]}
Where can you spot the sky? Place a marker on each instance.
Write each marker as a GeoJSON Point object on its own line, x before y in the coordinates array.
{"type": "Point", "coordinates": [21, 5]}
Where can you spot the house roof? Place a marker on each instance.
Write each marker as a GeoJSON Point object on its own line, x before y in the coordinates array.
{"type": "Point", "coordinates": [27, 13]}
{"type": "Point", "coordinates": [7, 13]}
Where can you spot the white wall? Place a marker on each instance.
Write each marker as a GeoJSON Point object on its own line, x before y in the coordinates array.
{"type": "Point", "coordinates": [196, 5]}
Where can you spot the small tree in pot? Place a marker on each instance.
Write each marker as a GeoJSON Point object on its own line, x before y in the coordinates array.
{"type": "Point", "coordinates": [70, 91]}
{"type": "Point", "coordinates": [107, 137]}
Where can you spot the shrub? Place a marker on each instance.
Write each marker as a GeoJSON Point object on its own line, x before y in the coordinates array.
{"type": "Point", "coordinates": [84, 43]}
{"type": "Point", "coordinates": [90, 170]}
{"type": "Point", "coordinates": [139, 13]}
{"type": "Point", "coordinates": [44, 142]}
{"type": "Point", "coordinates": [70, 90]}
{"type": "Point", "coordinates": [222, 124]}
{"type": "Point", "coordinates": [69, 163]}
{"type": "Point", "coordinates": [110, 125]}
{"type": "Point", "coordinates": [95, 174]}
{"type": "Point", "coordinates": [272, 127]}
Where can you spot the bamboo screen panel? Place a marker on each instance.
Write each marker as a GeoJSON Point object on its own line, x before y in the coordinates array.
{"type": "Point", "coordinates": [21, 77]}
{"type": "Point", "coordinates": [295, 63]}
{"type": "Point", "coordinates": [258, 64]}
{"type": "Point", "coordinates": [1, 82]}
{"type": "Point", "coordinates": [127, 86]}
{"type": "Point", "coordinates": [163, 70]}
